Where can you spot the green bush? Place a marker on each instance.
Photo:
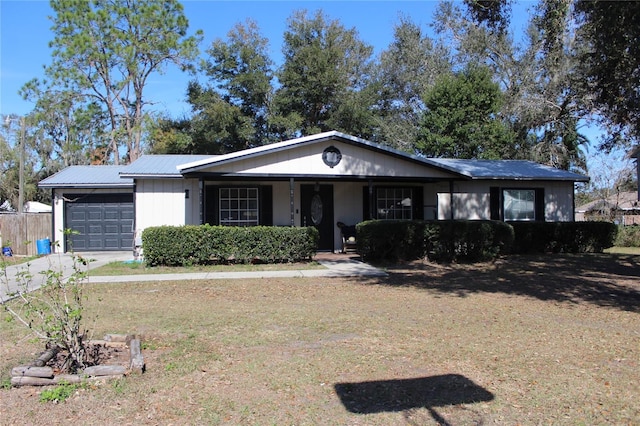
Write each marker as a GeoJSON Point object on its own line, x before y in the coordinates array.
{"type": "Point", "coordinates": [467, 241]}
{"type": "Point", "coordinates": [390, 240]}
{"type": "Point", "coordinates": [206, 244]}
{"type": "Point", "coordinates": [440, 241]}
{"type": "Point", "coordinates": [563, 237]}
{"type": "Point", "coordinates": [628, 236]}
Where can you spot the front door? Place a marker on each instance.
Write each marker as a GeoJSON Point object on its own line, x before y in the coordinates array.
{"type": "Point", "coordinates": [317, 210]}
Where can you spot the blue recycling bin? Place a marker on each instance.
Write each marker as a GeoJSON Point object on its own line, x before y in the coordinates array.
{"type": "Point", "coordinates": [43, 246]}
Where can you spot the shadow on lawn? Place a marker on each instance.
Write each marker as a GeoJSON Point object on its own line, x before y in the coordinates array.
{"type": "Point", "coordinates": [601, 279]}
{"type": "Point", "coordinates": [406, 394]}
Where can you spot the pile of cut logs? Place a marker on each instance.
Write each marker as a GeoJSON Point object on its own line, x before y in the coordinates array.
{"type": "Point", "coordinates": [38, 374]}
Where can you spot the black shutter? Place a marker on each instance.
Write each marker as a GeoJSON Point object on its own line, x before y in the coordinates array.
{"type": "Point", "coordinates": [539, 207]}
{"type": "Point", "coordinates": [266, 205]}
{"type": "Point", "coordinates": [211, 205]}
{"type": "Point", "coordinates": [366, 204]}
{"type": "Point", "coordinates": [494, 202]}
{"type": "Point", "coordinates": [417, 202]}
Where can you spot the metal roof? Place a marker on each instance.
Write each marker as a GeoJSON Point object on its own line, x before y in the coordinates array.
{"type": "Point", "coordinates": [507, 169]}
{"type": "Point", "coordinates": [176, 166]}
{"type": "Point", "coordinates": [164, 165]}
{"type": "Point", "coordinates": [87, 177]}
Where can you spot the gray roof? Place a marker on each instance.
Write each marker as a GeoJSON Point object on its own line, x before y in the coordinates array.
{"type": "Point", "coordinates": [622, 201]}
{"type": "Point", "coordinates": [507, 169]}
{"type": "Point", "coordinates": [174, 166]}
{"type": "Point", "coordinates": [87, 177]}
{"type": "Point", "coordinates": [165, 165]}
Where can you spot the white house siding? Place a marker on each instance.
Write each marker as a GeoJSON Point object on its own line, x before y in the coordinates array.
{"type": "Point", "coordinates": [163, 202]}
{"type": "Point", "coordinates": [471, 199]}
{"type": "Point", "coordinates": [58, 208]}
{"type": "Point", "coordinates": [307, 160]}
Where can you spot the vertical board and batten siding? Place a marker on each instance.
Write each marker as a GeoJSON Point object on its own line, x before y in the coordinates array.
{"type": "Point", "coordinates": [163, 202]}
{"type": "Point", "coordinates": [471, 200]}
{"type": "Point", "coordinates": [22, 231]}
{"type": "Point", "coordinates": [307, 160]}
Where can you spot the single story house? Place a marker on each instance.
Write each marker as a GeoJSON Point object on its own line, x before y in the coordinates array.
{"type": "Point", "coordinates": [316, 180]}
{"type": "Point", "coordinates": [622, 208]}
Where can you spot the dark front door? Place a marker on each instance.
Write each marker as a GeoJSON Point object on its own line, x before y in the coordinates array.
{"type": "Point", "coordinates": [317, 210]}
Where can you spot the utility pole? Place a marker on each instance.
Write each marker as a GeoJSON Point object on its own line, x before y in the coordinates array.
{"type": "Point", "coordinates": [21, 175]}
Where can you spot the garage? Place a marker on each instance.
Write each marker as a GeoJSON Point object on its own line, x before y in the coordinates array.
{"type": "Point", "coordinates": [102, 222]}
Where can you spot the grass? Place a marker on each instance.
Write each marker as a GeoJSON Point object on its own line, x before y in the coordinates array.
{"type": "Point", "coordinates": [139, 268]}
{"type": "Point", "coordinates": [623, 250]}
{"type": "Point", "coordinates": [524, 340]}
{"type": "Point", "coordinates": [15, 260]}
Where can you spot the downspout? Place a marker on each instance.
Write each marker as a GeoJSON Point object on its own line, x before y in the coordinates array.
{"type": "Point", "coordinates": [291, 201]}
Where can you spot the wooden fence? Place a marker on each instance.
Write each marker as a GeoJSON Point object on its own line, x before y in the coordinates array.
{"type": "Point", "coordinates": [22, 231]}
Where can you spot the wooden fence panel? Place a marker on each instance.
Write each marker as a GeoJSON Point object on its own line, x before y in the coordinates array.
{"type": "Point", "coordinates": [22, 231]}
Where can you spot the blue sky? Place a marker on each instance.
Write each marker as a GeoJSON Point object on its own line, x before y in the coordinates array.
{"type": "Point", "coordinates": [25, 34]}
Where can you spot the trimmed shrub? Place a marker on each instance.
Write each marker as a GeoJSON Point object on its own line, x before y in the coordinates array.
{"type": "Point", "coordinates": [390, 240]}
{"type": "Point", "coordinates": [440, 241]}
{"type": "Point", "coordinates": [628, 236]}
{"type": "Point", "coordinates": [206, 244]}
{"type": "Point", "coordinates": [563, 237]}
{"type": "Point", "coordinates": [467, 241]}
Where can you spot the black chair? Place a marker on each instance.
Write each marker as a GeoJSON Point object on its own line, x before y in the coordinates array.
{"type": "Point", "coordinates": [348, 233]}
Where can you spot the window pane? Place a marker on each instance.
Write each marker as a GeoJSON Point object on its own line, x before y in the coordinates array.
{"type": "Point", "coordinates": [519, 204]}
{"type": "Point", "coordinates": [394, 203]}
{"type": "Point", "coordinates": [239, 206]}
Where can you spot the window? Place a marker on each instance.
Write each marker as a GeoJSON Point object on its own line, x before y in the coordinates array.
{"type": "Point", "coordinates": [394, 203]}
{"type": "Point", "coordinates": [519, 204]}
{"type": "Point", "coordinates": [238, 206]}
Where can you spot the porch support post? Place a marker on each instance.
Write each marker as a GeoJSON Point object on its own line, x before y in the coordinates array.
{"type": "Point", "coordinates": [201, 199]}
{"type": "Point", "coordinates": [451, 216]}
{"type": "Point", "coordinates": [291, 201]}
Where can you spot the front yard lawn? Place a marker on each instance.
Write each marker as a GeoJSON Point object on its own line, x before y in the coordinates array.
{"type": "Point", "coordinates": [523, 340]}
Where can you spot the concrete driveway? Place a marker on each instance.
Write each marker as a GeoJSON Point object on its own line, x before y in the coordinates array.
{"type": "Point", "coordinates": [13, 276]}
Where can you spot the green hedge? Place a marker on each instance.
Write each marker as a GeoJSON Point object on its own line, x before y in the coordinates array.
{"type": "Point", "coordinates": [441, 241]}
{"type": "Point", "coordinates": [478, 240]}
{"type": "Point", "coordinates": [563, 237]}
{"type": "Point", "coordinates": [205, 244]}
{"type": "Point", "coordinates": [628, 236]}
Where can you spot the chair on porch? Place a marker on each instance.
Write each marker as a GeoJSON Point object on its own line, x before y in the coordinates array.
{"type": "Point", "coordinates": [348, 233]}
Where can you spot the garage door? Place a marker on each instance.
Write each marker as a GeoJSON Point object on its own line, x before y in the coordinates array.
{"type": "Point", "coordinates": [102, 221]}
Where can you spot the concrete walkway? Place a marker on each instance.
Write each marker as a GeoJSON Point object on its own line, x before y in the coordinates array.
{"type": "Point", "coordinates": [336, 265]}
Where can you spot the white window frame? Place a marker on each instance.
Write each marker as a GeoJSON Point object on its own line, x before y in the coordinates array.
{"type": "Point", "coordinates": [519, 204]}
{"type": "Point", "coordinates": [239, 206]}
{"type": "Point", "coordinates": [394, 203]}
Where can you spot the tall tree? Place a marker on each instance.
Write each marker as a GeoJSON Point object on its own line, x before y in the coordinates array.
{"type": "Point", "coordinates": [324, 64]}
{"type": "Point", "coordinates": [461, 121]}
{"type": "Point", "coordinates": [537, 77]}
{"type": "Point", "coordinates": [610, 32]}
{"type": "Point", "coordinates": [405, 70]}
{"type": "Point", "coordinates": [108, 49]}
{"type": "Point", "coordinates": [231, 111]}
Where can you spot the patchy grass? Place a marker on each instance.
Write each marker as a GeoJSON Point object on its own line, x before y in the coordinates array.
{"type": "Point", "coordinates": [524, 340]}
{"type": "Point", "coordinates": [623, 250]}
{"type": "Point", "coordinates": [15, 260]}
{"type": "Point", "coordinates": [139, 268]}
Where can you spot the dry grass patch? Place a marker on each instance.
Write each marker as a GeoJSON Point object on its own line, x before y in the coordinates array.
{"type": "Point", "coordinates": [523, 340]}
